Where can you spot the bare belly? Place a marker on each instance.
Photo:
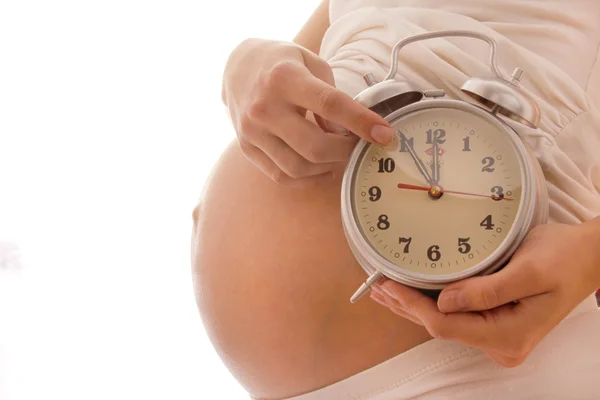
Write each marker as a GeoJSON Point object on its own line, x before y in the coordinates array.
{"type": "Point", "coordinates": [273, 275]}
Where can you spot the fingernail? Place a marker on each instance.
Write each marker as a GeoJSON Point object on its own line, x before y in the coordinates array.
{"type": "Point", "coordinates": [452, 301]}
{"type": "Point", "coordinates": [382, 134]}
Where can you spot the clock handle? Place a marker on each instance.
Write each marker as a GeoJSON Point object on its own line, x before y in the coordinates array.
{"type": "Point", "coordinates": [500, 95]}
{"type": "Point", "coordinates": [439, 34]}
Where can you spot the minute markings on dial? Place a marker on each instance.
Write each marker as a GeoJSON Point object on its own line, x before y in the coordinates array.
{"type": "Point", "coordinates": [503, 176]}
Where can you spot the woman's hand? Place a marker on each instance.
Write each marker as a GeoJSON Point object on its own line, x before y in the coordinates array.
{"type": "Point", "coordinates": [508, 313]}
{"type": "Point", "coordinates": [269, 87]}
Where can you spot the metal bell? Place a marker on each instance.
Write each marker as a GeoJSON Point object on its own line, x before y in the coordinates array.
{"type": "Point", "coordinates": [387, 96]}
{"type": "Point", "coordinates": [505, 97]}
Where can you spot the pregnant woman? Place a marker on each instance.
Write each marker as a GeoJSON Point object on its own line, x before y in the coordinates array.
{"type": "Point", "coordinates": [272, 268]}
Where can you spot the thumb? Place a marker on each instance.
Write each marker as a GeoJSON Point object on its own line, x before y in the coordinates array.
{"type": "Point", "coordinates": [515, 282]}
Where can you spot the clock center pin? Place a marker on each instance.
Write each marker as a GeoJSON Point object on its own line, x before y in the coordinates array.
{"type": "Point", "coordinates": [436, 191]}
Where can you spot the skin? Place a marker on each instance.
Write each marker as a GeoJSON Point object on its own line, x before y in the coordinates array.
{"type": "Point", "coordinates": [291, 121]}
{"type": "Point", "coordinates": [531, 295]}
{"type": "Point", "coordinates": [311, 34]}
{"type": "Point", "coordinates": [272, 270]}
{"type": "Point", "coordinates": [301, 333]}
{"type": "Point", "coordinates": [274, 298]}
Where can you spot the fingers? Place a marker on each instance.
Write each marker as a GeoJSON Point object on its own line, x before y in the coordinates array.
{"type": "Point", "coordinates": [378, 296]}
{"type": "Point", "coordinates": [410, 301]}
{"type": "Point", "coordinates": [504, 360]}
{"type": "Point", "coordinates": [318, 67]}
{"type": "Point", "coordinates": [268, 167]}
{"type": "Point", "coordinates": [299, 86]}
{"type": "Point", "coordinates": [518, 280]}
{"type": "Point", "coordinates": [297, 147]}
{"type": "Point", "coordinates": [268, 106]}
{"type": "Point", "coordinates": [291, 163]}
{"type": "Point", "coordinates": [509, 331]}
{"type": "Point", "coordinates": [273, 126]}
{"type": "Point", "coordinates": [321, 69]}
{"type": "Point", "coordinates": [301, 150]}
{"type": "Point", "coordinates": [308, 140]}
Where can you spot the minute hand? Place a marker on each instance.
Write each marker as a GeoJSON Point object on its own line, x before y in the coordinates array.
{"type": "Point", "coordinates": [420, 166]}
{"type": "Point", "coordinates": [435, 168]}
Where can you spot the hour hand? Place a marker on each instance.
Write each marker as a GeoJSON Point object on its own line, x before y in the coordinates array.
{"type": "Point", "coordinates": [420, 166]}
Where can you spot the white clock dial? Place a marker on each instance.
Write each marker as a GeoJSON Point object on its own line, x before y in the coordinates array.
{"type": "Point", "coordinates": [442, 197]}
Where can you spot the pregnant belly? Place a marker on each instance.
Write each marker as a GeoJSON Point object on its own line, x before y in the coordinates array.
{"type": "Point", "coordinates": [273, 276]}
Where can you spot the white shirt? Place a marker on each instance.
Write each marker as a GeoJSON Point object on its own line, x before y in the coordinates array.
{"type": "Point", "coordinates": [555, 41]}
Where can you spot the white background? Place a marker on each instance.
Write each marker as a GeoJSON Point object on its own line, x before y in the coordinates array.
{"type": "Point", "coordinates": [110, 120]}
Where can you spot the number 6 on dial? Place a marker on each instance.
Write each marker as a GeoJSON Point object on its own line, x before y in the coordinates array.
{"type": "Point", "coordinates": [456, 191]}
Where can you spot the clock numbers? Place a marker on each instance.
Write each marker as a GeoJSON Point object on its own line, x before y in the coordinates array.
{"type": "Point", "coordinates": [405, 144]}
{"type": "Point", "coordinates": [375, 193]}
{"type": "Point", "coordinates": [497, 193]}
{"type": "Point", "coordinates": [433, 253]}
{"type": "Point", "coordinates": [487, 223]}
{"type": "Point", "coordinates": [463, 245]}
{"type": "Point", "coordinates": [383, 222]}
{"type": "Point", "coordinates": [407, 245]}
{"type": "Point", "coordinates": [437, 135]}
{"type": "Point", "coordinates": [386, 165]}
{"type": "Point", "coordinates": [467, 144]}
{"type": "Point", "coordinates": [481, 180]}
{"type": "Point", "coordinates": [487, 164]}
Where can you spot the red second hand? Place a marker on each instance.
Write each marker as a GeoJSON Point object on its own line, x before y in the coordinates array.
{"type": "Point", "coordinates": [427, 189]}
{"type": "Point", "coordinates": [478, 195]}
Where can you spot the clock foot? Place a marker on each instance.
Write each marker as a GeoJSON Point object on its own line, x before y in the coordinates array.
{"type": "Point", "coordinates": [365, 287]}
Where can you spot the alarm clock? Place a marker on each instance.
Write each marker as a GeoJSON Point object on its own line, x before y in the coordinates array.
{"type": "Point", "coordinates": [456, 191]}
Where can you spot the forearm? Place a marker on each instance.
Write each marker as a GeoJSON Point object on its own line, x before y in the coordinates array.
{"type": "Point", "coordinates": [311, 34]}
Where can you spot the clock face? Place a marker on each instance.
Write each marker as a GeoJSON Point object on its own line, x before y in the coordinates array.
{"type": "Point", "coordinates": [443, 196]}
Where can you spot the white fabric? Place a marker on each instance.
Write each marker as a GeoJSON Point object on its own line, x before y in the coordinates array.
{"type": "Point", "coordinates": [556, 43]}
{"type": "Point", "coordinates": [565, 365]}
